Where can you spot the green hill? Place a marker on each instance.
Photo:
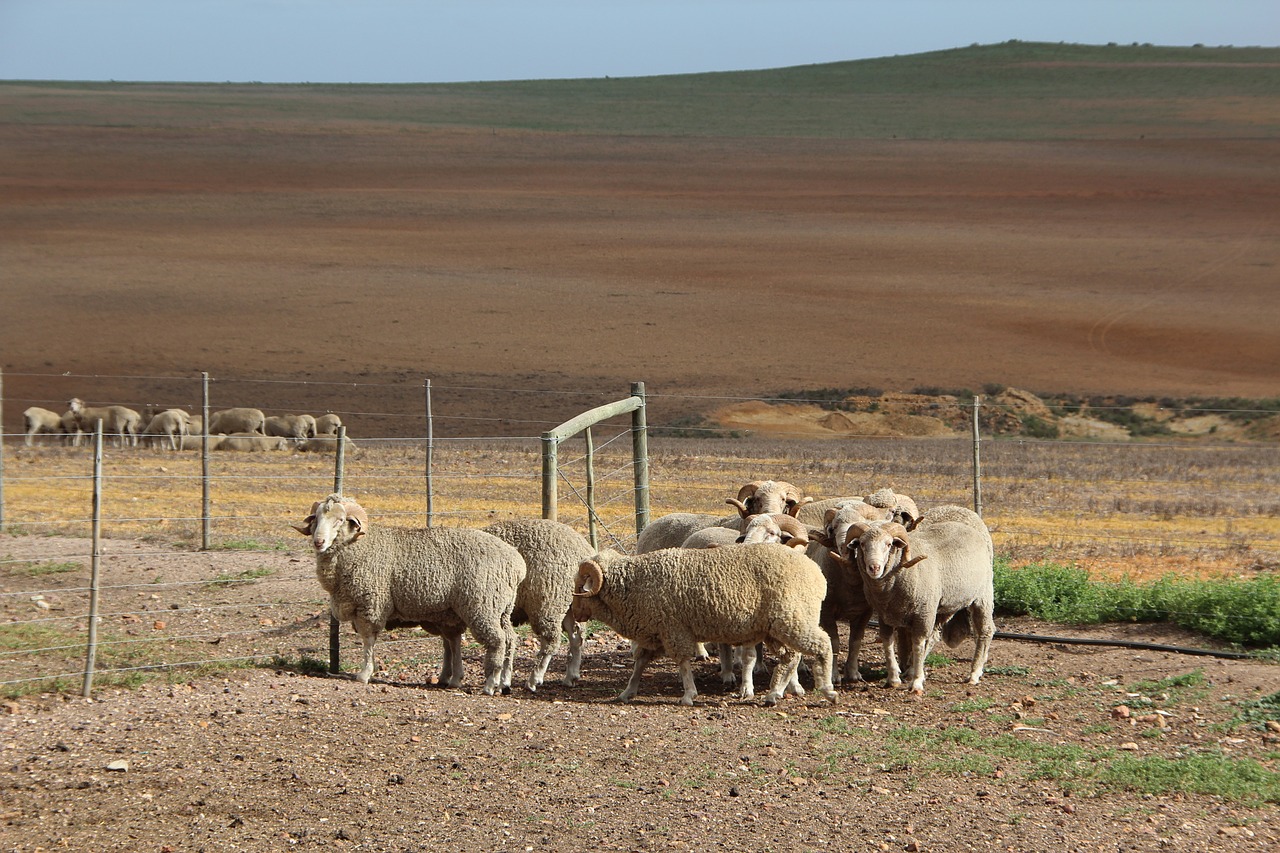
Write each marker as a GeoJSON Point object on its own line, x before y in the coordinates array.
{"type": "Point", "coordinates": [1014, 90]}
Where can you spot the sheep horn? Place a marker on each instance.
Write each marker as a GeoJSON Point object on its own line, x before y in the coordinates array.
{"type": "Point", "coordinates": [855, 532]}
{"type": "Point", "coordinates": [899, 534]}
{"type": "Point", "coordinates": [742, 508]}
{"type": "Point", "coordinates": [799, 532]}
{"type": "Point", "coordinates": [590, 579]}
{"type": "Point", "coordinates": [795, 502]}
{"type": "Point", "coordinates": [308, 525]}
{"type": "Point", "coordinates": [749, 489]}
{"type": "Point", "coordinates": [909, 563]}
{"type": "Point", "coordinates": [356, 513]}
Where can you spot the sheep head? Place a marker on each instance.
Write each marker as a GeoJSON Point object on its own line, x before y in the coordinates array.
{"type": "Point", "coordinates": [586, 586]}
{"type": "Point", "coordinates": [333, 518]}
{"type": "Point", "coordinates": [836, 521]}
{"type": "Point", "coordinates": [768, 496]}
{"type": "Point", "coordinates": [778, 527]}
{"type": "Point", "coordinates": [871, 546]}
{"type": "Point", "coordinates": [903, 507]}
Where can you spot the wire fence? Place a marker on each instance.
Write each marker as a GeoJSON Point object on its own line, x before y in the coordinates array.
{"type": "Point", "coordinates": [169, 602]}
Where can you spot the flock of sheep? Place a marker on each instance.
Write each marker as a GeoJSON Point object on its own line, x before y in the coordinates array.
{"type": "Point", "coordinates": [780, 574]}
{"type": "Point", "coordinates": [242, 429]}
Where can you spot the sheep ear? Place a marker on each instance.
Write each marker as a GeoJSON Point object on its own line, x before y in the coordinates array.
{"type": "Point", "coordinates": [307, 527]}
{"type": "Point", "coordinates": [590, 579]}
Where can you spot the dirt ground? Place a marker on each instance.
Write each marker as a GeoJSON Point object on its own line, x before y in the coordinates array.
{"type": "Point", "coordinates": [700, 266]}
{"type": "Point", "coordinates": [277, 757]}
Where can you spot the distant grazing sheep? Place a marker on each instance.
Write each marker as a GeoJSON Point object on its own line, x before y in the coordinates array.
{"type": "Point", "coordinates": [120, 421]}
{"type": "Point", "coordinates": [445, 580]}
{"type": "Point", "coordinates": [297, 428]}
{"type": "Point", "coordinates": [169, 427]}
{"type": "Point", "coordinates": [250, 442]}
{"type": "Point", "coordinates": [328, 424]}
{"type": "Point", "coordinates": [38, 421]}
{"type": "Point", "coordinates": [229, 421]}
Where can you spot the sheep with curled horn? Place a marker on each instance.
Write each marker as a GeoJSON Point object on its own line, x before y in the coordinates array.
{"type": "Point", "coordinates": [938, 575]}
{"type": "Point", "coordinates": [444, 580]}
{"type": "Point", "coordinates": [768, 496]}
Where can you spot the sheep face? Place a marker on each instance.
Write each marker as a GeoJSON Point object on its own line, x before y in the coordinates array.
{"type": "Point", "coordinates": [837, 521]}
{"type": "Point", "coordinates": [872, 547]}
{"type": "Point", "coordinates": [768, 496]}
{"type": "Point", "coordinates": [780, 528]}
{"type": "Point", "coordinates": [333, 521]}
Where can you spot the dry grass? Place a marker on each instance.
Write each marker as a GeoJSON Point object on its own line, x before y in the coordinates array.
{"type": "Point", "coordinates": [1135, 509]}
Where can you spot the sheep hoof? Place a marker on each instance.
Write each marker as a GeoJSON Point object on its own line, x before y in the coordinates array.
{"type": "Point", "coordinates": [832, 696]}
{"type": "Point", "coordinates": [506, 690]}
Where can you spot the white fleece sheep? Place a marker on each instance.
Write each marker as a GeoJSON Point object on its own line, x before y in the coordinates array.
{"type": "Point", "coordinates": [845, 602]}
{"type": "Point", "coordinates": [754, 498]}
{"type": "Point", "coordinates": [168, 428]}
{"type": "Point", "coordinates": [239, 419]}
{"type": "Point", "coordinates": [904, 508]}
{"type": "Point", "coordinates": [120, 421]}
{"type": "Point", "coordinates": [939, 574]}
{"type": "Point", "coordinates": [552, 553]}
{"type": "Point", "coordinates": [668, 601]}
{"type": "Point", "coordinates": [37, 420]}
{"type": "Point", "coordinates": [445, 580]}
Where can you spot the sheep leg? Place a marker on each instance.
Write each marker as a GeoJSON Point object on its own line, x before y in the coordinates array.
{"type": "Point", "coordinates": [746, 658]}
{"type": "Point", "coordinates": [726, 653]}
{"type": "Point", "coordinates": [548, 645]}
{"type": "Point", "coordinates": [451, 659]}
{"type": "Point", "coordinates": [573, 667]}
{"type": "Point", "coordinates": [783, 674]}
{"type": "Point", "coordinates": [702, 653]}
{"type": "Point", "coordinates": [813, 642]}
{"type": "Point", "coordinates": [643, 657]}
{"type": "Point", "coordinates": [686, 678]}
{"type": "Point", "coordinates": [889, 642]}
{"type": "Point", "coordinates": [368, 636]}
{"type": "Point", "coordinates": [499, 650]}
{"type": "Point", "coordinates": [857, 629]}
{"type": "Point", "coordinates": [984, 628]}
{"type": "Point", "coordinates": [920, 643]}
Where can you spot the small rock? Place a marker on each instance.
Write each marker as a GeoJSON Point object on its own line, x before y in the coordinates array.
{"type": "Point", "coordinates": [1273, 725]}
{"type": "Point", "coordinates": [120, 765]}
{"type": "Point", "coordinates": [1130, 746]}
{"type": "Point", "coordinates": [158, 625]}
{"type": "Point", "coordinates": [1120, 712]}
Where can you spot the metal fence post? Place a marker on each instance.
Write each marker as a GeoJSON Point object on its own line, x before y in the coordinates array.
{"type": "Point", "coordinates": [591, 489]}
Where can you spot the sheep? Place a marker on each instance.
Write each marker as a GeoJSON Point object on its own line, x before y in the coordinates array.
{"type": "Point", "coordinates": [326, 444]}
{"type": "Point", "coordinates": [172, 425]}
{"type": "Point", "coordinates": [71, 428]}
{"type": "Point", "coordinates": [328, 424]}
{"type": "Point", "coordinates": [668, 601]}
{"type": "Point", "coordinates": [778, 527]}
{"type": "Point", "coordinates": [235, 420]}
{"type": "Point", "coordinates": [939, 574]}
{"type": "Point", "coordinates": [905, 508]}
{"type": "Point", "coordinates": [195, 424]}
{"type": "Point", "coordinates": [297, 428]}
{"type": "Point", "coordinates": [445, 580]}
{"type": "Point", "coordinates": [845, 601]}
{"type": "Point", "coordinates": [754, 498]}
{"type": "Point", "coordinates": [120, 421]}
{"type": "Point", "coordinates": [36, 420]}
{"type": "Point", "coordinates": [249, 442]}
{"type": "Point", "coordinates": [552, 553]}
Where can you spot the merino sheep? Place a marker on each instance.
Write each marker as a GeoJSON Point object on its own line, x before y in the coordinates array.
{"type": "Point", "coordinates": [328, 424]}
{"type": "Point", "coordinates": [169, 427]}
{"type": "Point", "coordinates": [120, 421]}
{"type": "Point", "coordinates": [905, 510]}
{"type": "Point", "coordinates": [297, 428]}
{"type": "Point", "coordinates": [71, 428]}
{"type": "Point", "coordinates": [845, 601]}
{"type": "Point", "coordinates": [445, 580]}
{"type": "Point", "coordinates": [668, 601]}
{"type": "Point", "coordinates": [754, 498]}
{"type": "Point", "coordinates": [327, 444]}
{"type": "Point", "coordinates": [249, 442]}
{"type": "Point", "coordinates": [235, 420]}
{"type": "Point", "coordinates": [36, 421]}
{"type": "Point", "coordinates": [552, 553]}
{"type": "Point", "coordinates": [939, 574]}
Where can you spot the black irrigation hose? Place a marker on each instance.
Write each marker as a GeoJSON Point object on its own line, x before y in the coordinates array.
{"type": "Point", "coordinates": [1125, 644]}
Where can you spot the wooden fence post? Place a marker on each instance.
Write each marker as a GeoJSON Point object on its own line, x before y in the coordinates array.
{"type": "Point", "coordinates": [204, 463]}
{"type": "Point", "coordinates": [977, 460]}
{"type": "Point", "coordinates": [91, 652]}
{"type": "Point", "coordinates": [335, 632]}
{"type": "Point", "coordinates": [640, 456]}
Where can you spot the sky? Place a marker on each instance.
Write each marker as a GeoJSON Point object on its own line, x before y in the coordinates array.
{"type": "Point", "coordinates": [412, 41]}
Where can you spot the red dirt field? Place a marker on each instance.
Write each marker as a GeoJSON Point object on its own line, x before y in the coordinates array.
{"type": "Point", "coordinates": [701, 266]}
